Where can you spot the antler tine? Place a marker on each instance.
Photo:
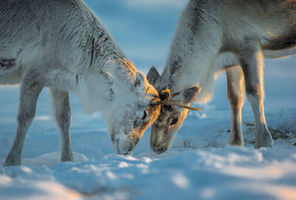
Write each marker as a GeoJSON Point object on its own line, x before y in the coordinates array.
{"type": "Point", "coordinates": [181, 105]}
{"type": "Point", "coordinates": [157, 103]}
{"type": "Point", "coordinates": [171, 103]}
{"type": "Point", "coordinates": [174, 104]}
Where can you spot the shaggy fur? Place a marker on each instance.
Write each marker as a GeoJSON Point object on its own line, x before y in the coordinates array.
{"type": "Point", "coordinates": [61, 44]}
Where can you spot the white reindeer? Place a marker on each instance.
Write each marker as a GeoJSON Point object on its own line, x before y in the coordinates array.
{"type": "Point", "coordinates": [218, 35]}
{"type": "Point", "coordinates": [61, 44]}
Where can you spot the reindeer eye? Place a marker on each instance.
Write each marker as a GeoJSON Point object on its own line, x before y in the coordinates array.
{"type": "Point", "coordinates": [167, 108]}
{"type": "Point", "coordinates": [145, 115]}
{"type": "Point", "coordinates": [174, 121]}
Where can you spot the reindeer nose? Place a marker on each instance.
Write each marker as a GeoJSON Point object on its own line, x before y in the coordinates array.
{"type": "Point", "coordinates": [128, 151]}
{"type": "Point", "coordinates": [158, 150]}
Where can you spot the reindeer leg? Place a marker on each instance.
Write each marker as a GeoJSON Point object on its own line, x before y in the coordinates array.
{"type": "Point", "coordinates": [62, 113]}
{"type": "Point", "coordinates": [30, 90]}
{"type": "Point", "coordinates": [235, 81]}
{"type": "Point", "coordinates": [252, 65]}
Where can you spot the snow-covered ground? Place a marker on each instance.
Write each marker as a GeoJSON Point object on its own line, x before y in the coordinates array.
{"type": "Point", "coordinates": [200, 165]}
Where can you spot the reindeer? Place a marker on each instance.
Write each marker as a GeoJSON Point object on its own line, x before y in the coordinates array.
{"type": "Point", "coordinates": [222, 35]}
{"type": "Point", "coordinates": [61, 44]}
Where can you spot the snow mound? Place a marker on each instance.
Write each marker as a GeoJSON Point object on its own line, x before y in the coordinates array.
{"type": "Point", "coordinates": [50, 159]}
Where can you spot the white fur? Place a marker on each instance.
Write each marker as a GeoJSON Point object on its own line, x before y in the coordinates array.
{"type": "Point", "coordinates": [215, 35]}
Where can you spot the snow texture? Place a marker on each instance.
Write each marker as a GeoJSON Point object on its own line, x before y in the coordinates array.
{"type": "Point", "coordinates": [200, 165]}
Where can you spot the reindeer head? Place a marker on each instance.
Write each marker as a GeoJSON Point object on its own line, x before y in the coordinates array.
{"type": "Point", "coordinates": [174, 109]}
{"type": "Point", "coordinates": [133, 110]}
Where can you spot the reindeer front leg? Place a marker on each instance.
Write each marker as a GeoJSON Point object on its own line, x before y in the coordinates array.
{"type": "Point", "coordinates": [252, 65]}
{"type": "Point", "coordinates": [31, 87]}
{"type": "Point", "coordinates": [235, 83]}
{"type": "Point", "coordinates": [62, 112]}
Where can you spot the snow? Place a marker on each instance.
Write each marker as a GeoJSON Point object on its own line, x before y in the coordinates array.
{"type": "Point", "coordinates": [200, 164]}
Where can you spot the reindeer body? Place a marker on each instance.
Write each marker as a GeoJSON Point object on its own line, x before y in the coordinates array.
{"type": "Point", "coordinates": [219, 35]}
{"type": "Point", "coordinates": [61, 44]}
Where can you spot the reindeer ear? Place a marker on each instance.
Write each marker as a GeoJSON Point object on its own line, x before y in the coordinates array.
{"type": "Point", "coordinates": [140, 80]}
{"type": "Point", "coordinates": [187, 95]}
{"type": "Point", "coordinates": [190, 94]}
{"type": "Point", "coordinates": [153, 77]}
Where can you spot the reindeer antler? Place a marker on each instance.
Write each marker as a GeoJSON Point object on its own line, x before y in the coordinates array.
{"type": "Point", "coordinates": [165, 97]}
{"type": "Point", "coordinates": [172, 103]}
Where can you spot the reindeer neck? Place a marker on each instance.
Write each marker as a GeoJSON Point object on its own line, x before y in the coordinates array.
{"type": "Point", "coordinates": [102, 89]}
{"type": "Point", "coordinates": [106, 73]}
{"type": "Point", "coordinates": [103, 48]}
{"type": "Point", "coordinates": [187, 66]}
{"type": "Point", "coordinates": [96, 44]}
{"type": "Point", "coordinates": [192, 52]}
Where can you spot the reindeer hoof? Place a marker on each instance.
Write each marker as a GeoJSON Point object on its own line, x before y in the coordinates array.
{"type": "Point", "coordinates": [238, 142]}
{"type": "Point", "coordinates": [67, 158]}
{"type": "Point", "coordinates": [266, 142]}
{"type": "Point", "coordinates": [11, 161]}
